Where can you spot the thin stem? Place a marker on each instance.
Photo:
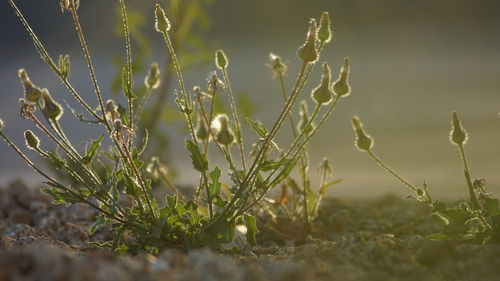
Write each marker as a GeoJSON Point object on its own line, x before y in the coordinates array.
{"type": "Point", "coordinates": [473, 197]}
{"type": "Point", "coordinates": [128, 66]}
{"type": "Point", "coordinates": [171, 185]}
{"type": "Point", "coordinates": [86, 54]}
{"type": "Point", "coordinates": [388, 169]}
{"type": "Point", "coordinates": [239, 136]}
{"type": "Point", "coordinates": [141, 106]}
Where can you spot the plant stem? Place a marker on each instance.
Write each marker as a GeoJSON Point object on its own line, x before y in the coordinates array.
{"type": "Point", "coordinates": [472, 194]}
{"type": "Point", "coordinates": [391, 171]}
{"type": "Point", "coordinates": [141, 106]}
{"type": "Point", "coordinates": [239, 136]}
{"type": "Point", "coordinates": [128, 50]}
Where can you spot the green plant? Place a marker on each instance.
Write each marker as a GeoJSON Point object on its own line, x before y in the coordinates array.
{"type": "Point", "coordinates": [476, 220]}
{"type": "Point", "coordinates": [210, 218]}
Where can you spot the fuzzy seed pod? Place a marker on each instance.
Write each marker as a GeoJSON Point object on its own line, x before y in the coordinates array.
{"type": "Point", "coordinates": [201, 129]}
{"type": "Point", "coordinates": [223, 134]}
{"type": "Point", "coordinates": [277, 66]}
{"type": "Point", "coordinates": [304, 119]}
{"type": "Point", "coordinates": [458, 135]}
{"type": "Point", "coordinates": [31, 92]}
{"type": "Point", "coordinates": [363, 141]}
{"type": "Point", "coordinates": [221, 59]}
{"type": "Point", "coordinates": [152, 80]}
{"type": "Point", "coordinates": [325, 31]}
{"type": "Point", "coordinates": [341, 87]}
{"type": "Point", "coordinates": [51, 109]}
{"type": "Point", "coordinates": [32, 141]}
{"type": "Point", "coordinates": [323, 94]}
{"type": "Point", "coordinates": [162, 24]}
{"type": "Point", "coordinates": [308, 52]}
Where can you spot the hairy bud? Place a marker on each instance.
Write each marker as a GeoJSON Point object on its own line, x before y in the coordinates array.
{"type": "Point", "coordinates": [308, 52]}
{"type": "Point", "coordinates": [32, 141]}
{"type": "Point", "coordinates": [223, 134]}
{"type": "Point", "coordinates": [363, 141]}
{"type": "Point", "coordinates": [458, 135]}
{"type": "Point", "coordinates": [221, 59]}
{"type": "Point", "coordinates": [64, 66]}
{"type": "Point", "coordinates": [325, 32]}
{"type": "Point", "coordinates": [201, 129]}
{"type": "Point", "coordinates": [162, 24]}
{"type": "Point", "coordinates": [51, 109]}
{"type": "Point", "coordinates": [341, 87]}
{"type": "Point", "coordinates": [31, 92]}
{"type": "Point", "coordinates": [322, 94]}
{"type": "Point", "coordinates": [152, 80]}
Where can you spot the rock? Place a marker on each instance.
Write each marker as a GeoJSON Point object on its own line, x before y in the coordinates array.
{"type": "Point", "coordinates": [19, 215]}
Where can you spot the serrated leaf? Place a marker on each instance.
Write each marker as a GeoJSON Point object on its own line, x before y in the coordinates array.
{"type": "Point", "coordinates": [258, 127]}
{"type": "Point", "coordinates": [61, 197]}
{"type": "Point", "coordinates": [80, 116]}
{"type": "Point", "coordinates": [199, 160]}
{"type": "Point", "coordinates": [252, 229]}
{"type": "Point", "coordinates": [92, 151]}
{"type": "Point", "coordinates": [215, 186]}
{"type": "Point", "coordinates": [100, 221]}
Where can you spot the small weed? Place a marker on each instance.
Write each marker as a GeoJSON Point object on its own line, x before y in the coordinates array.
{"type": "Point", "coordinates": [102, 178]}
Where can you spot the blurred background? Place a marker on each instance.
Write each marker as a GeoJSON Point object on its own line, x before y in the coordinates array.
{"type": "Point", "coordinates": [413, 63]}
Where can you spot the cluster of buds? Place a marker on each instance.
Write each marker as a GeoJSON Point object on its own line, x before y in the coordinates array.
{"type": "Point", "coordinates": [152, 80]}
{"type": "Point", "coordinates": [27, 108]}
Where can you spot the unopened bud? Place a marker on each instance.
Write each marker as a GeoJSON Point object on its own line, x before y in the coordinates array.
{"type": "Point", "coordinates": [162, 24]}
{"type": "Point", "coordinates": [32, 141]}
{"type": "Point", "coordinates": [277, 66]}
{"type": "Point", "coordinates": [323, 94]}
{"type": "Point", "coordinates": [31, 92]}
{"type": "Point", "coordinates": [325, 32]}
{"type": "Point", "coordinates": [308, 52]}
{"type": "Point", "coordinates": [341, 87]}
{"type": "Point", "coordinates": [221, 59]}
{"type": "Point", "coordinates": [304, 119]}
{"type": "Point", "coordinates": [67, 4]}
{"type": "Point", "coordinates": [223, 134]}
{"type": "Point", "coordinates": [111, 109]}
{"type": "Point", "coordinates": [152, 80]}
{"type": "Point", "coordinates": [64, 66]}
{"type": "Point", "coordinates": [458, 135]}
{"type": "Point", "coordinates": [51, 109]}
{"type": "Point", "coordinates": [363, 141]}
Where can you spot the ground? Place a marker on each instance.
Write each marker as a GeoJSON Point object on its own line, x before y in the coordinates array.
{"type": "Point", "coordinates": [382, 239]}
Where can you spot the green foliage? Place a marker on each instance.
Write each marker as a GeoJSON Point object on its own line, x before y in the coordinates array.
{"type": "Point", "coordinates": [103, 177]}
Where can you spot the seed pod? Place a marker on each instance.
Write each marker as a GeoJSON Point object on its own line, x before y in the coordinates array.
{"type": "Point", "coordinates": [152, 80]}
{"type": "Point", "coordinates": [201, 129]}
{"type": "Point", "coordinates": [304, 119]}
{"type": "Point", "coordinates": [32, 141]}
{"type": "Point", "coordinates": [223, 134]}
{"type": "Point", "coordinates": [277, 66]}
{"type": "Point", "coordinates": [31, 92]}
{"type": "Point", "coordinates": [51, 109]}
{"type": "Point", "coordinates": [363, 141]}
{"type": "Point", "coordinates": [325, 32]}
{"type": "Point", "coordinates": [323, 94]}
{"type": "Point", "coordinates": [162, 24]}
{"type": "Point", "coordinates": [341, 87]}
{"type": "Point", "coordinates": [308, 52]}
{"type": "Point", "coordinates": [221, 59]}
{"type": "Point", "coordinates": [458, 135]}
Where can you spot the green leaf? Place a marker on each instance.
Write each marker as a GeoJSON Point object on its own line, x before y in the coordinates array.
{"type": "Point", "coordinates": [92, 151]}
{"type": "Point", "coordinates": [258, 127]}
{"type": "Point", "coordinates": [199, 160]}
{"type": "Point", "coordinates": [61, 197]}
{"type": "Point", "coordinates": [438, 236]}
{"type": "Point", "coordinates": [80, 116]}
{"type": "Point", "coordinates": [252, 229]}
{"type": "Point", "coordinates": [215, 186]}
{"type": "Point", "coordinates": [127, 90]}
{"type": "Point", "coordinates": [324, 189]}
{"type": "Point", "coordinates": [100, 220]}
{"type": "Point", "coordinates": [123, 114]}
{"type": "Point", "coordinates": [224, 231]}
{"type": "Point", "coordinates": [272, 165]}
{"type": "Point", "coordinates": [57, 161]}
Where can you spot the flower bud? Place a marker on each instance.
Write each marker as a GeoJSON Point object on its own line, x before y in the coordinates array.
{"type": "Point", "coordinates": [341, 87]}
{"type": "Point", "coordinates": [277, 66]}
{"type": "Point", "coordinates": [363, 141]}
{"type": "Point", "coordinates": [322, 94]}
{"type": "Point", "coordinates": [162, 24]}
{"type": "Point", "coordinates": [201, 129]}
{"type": "Point", "coordinates": [152, 80]}
{"type": "Point", "coordinates": [325, 32]}
{"type": "Point", "coordinates": [51, 109]}
{"type": "Point", "coordinates": [31, 92]}
{"type": "Point", "coordinates": [221, 59]}
{"type": "Point", "coordinates": [111, 109]}
{"type": "Point", "coordinates": [27, 108]}
{"type": "Point", "coordinates": [304, 119]}
{"type": "Point", "coordinates": [308, 52]}
{"type": "Point", "coordinates": [458, 135]}
{"type": "Point", "coordinates": [32, 141]}
{"type": "Point", "coordinates": [223, 134]}
{"type": "Point", "coordinates": [64, 66]}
